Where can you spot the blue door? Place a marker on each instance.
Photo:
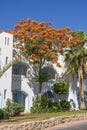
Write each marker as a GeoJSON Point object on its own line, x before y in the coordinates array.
{"type": "Point", "coordinates": [17, 97]}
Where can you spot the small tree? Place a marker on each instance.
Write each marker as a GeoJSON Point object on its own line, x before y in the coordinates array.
{"type": "Point", "coordinates": [62, 88]}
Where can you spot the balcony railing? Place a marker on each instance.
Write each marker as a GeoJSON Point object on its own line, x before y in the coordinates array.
{"type": "Point", "coordinates": [18, 78]}
{"type": "Point", "coordinates": [18, 81]}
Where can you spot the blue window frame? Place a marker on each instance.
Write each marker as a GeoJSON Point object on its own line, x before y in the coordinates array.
{"type": "Point", "coordinates": [17, 69]}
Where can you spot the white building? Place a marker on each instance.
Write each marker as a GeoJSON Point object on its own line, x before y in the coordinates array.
{"type": "Point", "coordinates": [6, 44]}
{"type": "Point", "coordinates": [13, 83]}
{"type": "Point", "coordinates": [18, 82]}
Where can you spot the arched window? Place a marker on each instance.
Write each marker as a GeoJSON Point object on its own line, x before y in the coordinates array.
{"type": "Point", "coordinates": [49, 71]}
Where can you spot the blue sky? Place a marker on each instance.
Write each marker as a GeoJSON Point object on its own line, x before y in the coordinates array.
{"type": "Point", "coordinates": [61, 13]}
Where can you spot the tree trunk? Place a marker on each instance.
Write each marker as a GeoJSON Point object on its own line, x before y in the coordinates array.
{"type": "Point", "coordinates": [40, 88]}
{"type": "Point", "coordinates": [40, 83]}
{"type": "Point", "coordinates": [81, 80]}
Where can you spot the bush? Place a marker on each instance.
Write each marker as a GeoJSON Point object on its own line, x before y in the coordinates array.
{"type": "Point", "coordinates": [13, 108]}
{"type": "Point", "coordinates": [39, 107]}
{"type": "Point", "coordinates": [61, 88]}
{"type": "Point", "coordinates": [18, 108]}
{"type": "Point", "coordinates": [4, 114]}
{"type": "Point", "coordinates": [65, 105]}
{"type": "Point", "coordinates": [55, 108]}
{"type": "Point", "coordinates": [45, 106]}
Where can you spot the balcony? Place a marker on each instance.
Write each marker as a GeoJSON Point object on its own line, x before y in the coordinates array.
{"type": "Point", "coordinates": [20, 83]}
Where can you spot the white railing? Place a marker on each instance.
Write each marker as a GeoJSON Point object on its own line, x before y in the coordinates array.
{"type": "Point", "coordinates": [17, 81]}
{"type": "Point", "coordinates": [17, 78]}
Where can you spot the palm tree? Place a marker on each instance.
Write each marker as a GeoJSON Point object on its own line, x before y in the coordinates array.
{"type": "Point", "coordinates": [77, 59]}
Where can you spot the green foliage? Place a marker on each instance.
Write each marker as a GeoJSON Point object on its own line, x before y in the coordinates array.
{"type": "Point", "coordinates": [48, 106]}
{"type": "Point", "coordinates": [43, 77]}
{"type": "Point", "coordinates": [80, 34]}
{"type": "Point", "coordinates": [39, 107]}
{"type": "Point", "coordinates": [75, 58]}
{"type": "Point", "coordinates": [31, 47]}
{"type": "Point", "coordinates": [55, 108]}
{"type": "Point", "coordinates": [13, 108]}
{"type": "Point", "coordinates": [61, 88]}
{"type": "Point", "coordinates": [65, 105]}
{"type": "Point", "coordinates": [4, 114]}
{"type": "Point", "coordinates": [18, 108]}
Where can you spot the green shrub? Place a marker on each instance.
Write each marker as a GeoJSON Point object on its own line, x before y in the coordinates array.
{"type": "Point", "coordinates": [61, 88]}
{"type": "Point", "coordinates": [4, 114]}
{"type": "Point", "coordinates": [65, 105]}
{"type": "Point", "coordinates": [45, 106]}
{"type": "Point", "coordinates": [1, 114]}
{"type": "Point", "coordinates": [39, 107]}
{"type": "Point", "coordinates": [10, 107]}
{"type": "Point", "coordinates": [13, 108]}
{"type": "Point", "coordinates": [18, 108]}
{"type": "Point", "coordinates": [56, 107]}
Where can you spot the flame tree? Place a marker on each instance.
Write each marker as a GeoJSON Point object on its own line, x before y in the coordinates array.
{"type": "Point", "coordinates": [40, 43]}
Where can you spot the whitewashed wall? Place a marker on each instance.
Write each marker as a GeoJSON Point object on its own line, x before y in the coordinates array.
{"type": "Point", "coordinates": [6, 45]}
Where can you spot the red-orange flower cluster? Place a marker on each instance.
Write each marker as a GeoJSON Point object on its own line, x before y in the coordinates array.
{"type": "Point", "coordinates": [44, 40]}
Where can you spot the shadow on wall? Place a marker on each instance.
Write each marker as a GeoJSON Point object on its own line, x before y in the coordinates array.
{"type": "Point", "coordinates": [51, 96]}
{"type": "Point", "coordinates": [72, 105]}
{"type": "Point", "coordinates": [54, 97]}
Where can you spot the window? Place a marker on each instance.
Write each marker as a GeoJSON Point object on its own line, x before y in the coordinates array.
{"type": "Point", "coordinates": [6, 41]}
{"type": "Point", "coordinates": [49, 71]}
{"type": "Point", "coordinates": [17, 69]}
{"type": "Point", "coordinates": [6, 60]}
{"type": "Point", "coordinates": [5, 92]}
{"type": "Point", "coordinates": [0, 51]}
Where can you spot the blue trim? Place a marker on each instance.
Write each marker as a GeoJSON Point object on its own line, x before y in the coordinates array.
{"type": "Point", "coordinates": [19, 97]}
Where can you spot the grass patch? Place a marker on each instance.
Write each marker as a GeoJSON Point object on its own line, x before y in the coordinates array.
{"type": "Point", "coordinates": [42, 116]}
